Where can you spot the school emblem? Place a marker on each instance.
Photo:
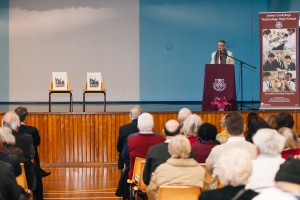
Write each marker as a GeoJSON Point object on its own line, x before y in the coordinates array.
{"type": "Point", "coordinates": [278, 24]}
{"type": "Point", "coordinates": [219, 85]}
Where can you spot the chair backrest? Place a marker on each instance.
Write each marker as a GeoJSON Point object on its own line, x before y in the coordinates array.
{"type": "Point", "coordinates": [137, 170]}
{"type": "Point", "coordinates": [141, 185]}
{"type": "Point", "coordinates": [210, 182]}
{"type": "Point", "coordinates": [178, 192]}
{"type": "Point", "coordinates": [21, 179]}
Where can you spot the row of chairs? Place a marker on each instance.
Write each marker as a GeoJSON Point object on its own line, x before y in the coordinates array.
{"type": "Point", "coordinates": [138, 188]}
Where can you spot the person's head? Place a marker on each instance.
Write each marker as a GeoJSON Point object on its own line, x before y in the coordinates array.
{"type": "Point", "coordinates": [234, 167]}
{"type": "Point", "coordinates": [287, 58]}
{"type": "Point", "coordinates": [6, 136]}
{"type": "Point", "coordinates": [267, 76]}
{"type": "Point", "coordinates": [266, 33]}
{"type": "Point", "coordinates": [207, 132]}
{"type": "Point", "coordinates": [179, 147]}
{"type": "Point", "coordinates": [22, 113]}
{"type": "Point", "coordinates": [183, 114]}
{"type": "Point", "coordinates": [250, 116]}
{"type": "Point", "coordinates": [287, 177]}
{"type": "Point", "coordinates": [291, 31]}
{"type": "Point", "coordinates": [288, 76]}
{"type": "Point", "coordinates": [253, 126]}
{"type": "Point", "coordinates": [284, 119]}
{"type": "Point", "coordinates": [191, 125]}
{"type": "Point", "coordinates": [11, 120]}
{"type": "Point", "coordinates": [145, 122]}
{"type": "Point", "coordinates": [271, 121]}
{"type": "Point", "coordinates": [291, 140]}
{"type": "Point", "coordinates": [278, 55]}
{"type": "Point", "coordinates": [271, 56]}
{"type": "Point", "coordinates": [223, 122]}
{"type": "Point", "coordinates": [234, 124]}
{"type": "Point", "coordinates": [221, 45]}
{"type": "Point", "coordinates": [135, 112]}
{"type": "Point", "coordinates": [171, 128]}
{"type": "Point", "coordinates": [268, 141]}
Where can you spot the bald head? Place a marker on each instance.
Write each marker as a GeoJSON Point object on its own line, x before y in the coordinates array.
{"type": "Point", "coordinates": [135, 112]}
{"type": "Point", "coordinates": [183, 114]}
{"type": "Point", "coordinates": [11, 120]}
{"type": "Point", "coordinates": [172, 128]}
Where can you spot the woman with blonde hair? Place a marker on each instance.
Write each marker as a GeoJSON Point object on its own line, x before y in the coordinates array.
{"type": "Point", "coordinates": [291, 147]}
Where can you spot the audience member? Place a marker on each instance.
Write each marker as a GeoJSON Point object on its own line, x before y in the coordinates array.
{"type": "Point", "coordinates": [271, 121]}
{"type": "Point", "coordinates": [33, 131]}
{"type": "Point", "coordinates": [191, 126]}
{"type": "Point", "coordinates": [269, 144]}
{"type": "Point", "coordinates": [178, 170]}
{"type": "Point", "coordinates": [206, 141]}
{"type": "Point", "coordinates": [9, 188]}
{"type": "Point", "coordinates": [234, 126]}
{"type": "Point", "coordinates": [139, 144]}
{"type": "Point", "coordinates": [25, 143]}
{"type": "Point", "coordinates": [284, 119]}
{"type": "Point", "coordinates": [11, 159]}
{"type": "Point", "coordinates": [159, 153]}
{"type": "Point", "coordinates": [223, 136]}
{"type": "Point", "coordinates": [291, 147]}
{"type": "Point", "coordinates": [287, 182]}
{"type": "Point", "coordinates": [126, 130]}
{"type": "Point", "coordinates": [250, 116]}
{"type": "Point", "coordinates": [253, 126]}
{"type": "Point", "coordinates": [183, 114]}
{"type": "Point", "coordinates": [234, 169]}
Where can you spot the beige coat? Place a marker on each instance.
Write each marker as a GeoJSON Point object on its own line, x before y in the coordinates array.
{"type": "Point", "coordinates": [183, 172]}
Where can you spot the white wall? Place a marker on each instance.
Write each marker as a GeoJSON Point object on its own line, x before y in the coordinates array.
{"type": "Point", "coordinates": [76, 36]}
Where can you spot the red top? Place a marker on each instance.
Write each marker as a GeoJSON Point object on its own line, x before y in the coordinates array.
{"type": "Point", "coordinates": [202, 150]}
{"type": "Point", "coordinates": [139, 145]}
{"type": "Point", "coordinates": [192, 139]}
{"type": "Point", "coordinates": [290, 152]}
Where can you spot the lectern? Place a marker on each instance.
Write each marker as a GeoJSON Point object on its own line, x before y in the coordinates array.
{"type": "Point", "coordinates": [219, 81]}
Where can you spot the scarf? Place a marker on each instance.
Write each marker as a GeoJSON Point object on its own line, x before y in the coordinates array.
{"type": "Point", "coordinates": [224, 57]}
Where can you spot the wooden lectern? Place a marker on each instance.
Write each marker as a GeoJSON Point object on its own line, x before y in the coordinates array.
{"type": "Point", "coordinates": [219, 81]}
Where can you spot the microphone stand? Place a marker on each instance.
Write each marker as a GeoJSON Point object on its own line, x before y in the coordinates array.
{"type": "Point", "coordinates": [241, 74]}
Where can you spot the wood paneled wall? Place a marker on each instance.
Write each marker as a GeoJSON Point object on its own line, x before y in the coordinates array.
{"type": "Point", "coordinates": [74, 139]}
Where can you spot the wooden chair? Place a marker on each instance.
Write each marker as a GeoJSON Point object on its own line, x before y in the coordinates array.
{"type": "Point", "coordinates": [141, 185]}
{"type": "Point", "coordinates": [208, 179]}
{"type": "Point", "coordinates": [136, 177]}
{"type": "Point", "coordinates": [178, 192]}
{"type": "Point", "coordinates": [21, 180]}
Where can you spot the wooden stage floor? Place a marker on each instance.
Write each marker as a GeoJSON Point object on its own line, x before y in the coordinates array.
{"type": "Point", "coordinates": [81, 183]}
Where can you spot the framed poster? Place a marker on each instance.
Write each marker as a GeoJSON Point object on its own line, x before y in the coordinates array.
{"type": "Point", "coordinates": [59, 80]}
{"type": "Point", "coordinates": [94, 81]}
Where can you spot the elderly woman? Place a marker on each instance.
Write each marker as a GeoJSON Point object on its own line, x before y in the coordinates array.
{"type": "Point", "coordinates": [234, 169]}
{"type": "Point", "coordinates": [206, 141]}
{"type": "Point", "coordinates": [269, 144]}
{"type": "Point", "coordinates": [223, 136]}
{"type": "Point", "coordinates": [291, 147]}
{"type": "Point", "coordinates": [178, 170]}
{"type": "Point", "coordinates": [191, 126]}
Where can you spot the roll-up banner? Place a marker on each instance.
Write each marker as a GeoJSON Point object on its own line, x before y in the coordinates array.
{"type": "Point", "coordinates": [279, 60]}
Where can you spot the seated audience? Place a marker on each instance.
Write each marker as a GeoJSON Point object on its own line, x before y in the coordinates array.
{"type": "Point", "coordinates": [11, 159]}
{"type": "Point", "coordinates": [269, 144]}
{"type": "Point", "coordinates": [284, 119]}
{"type": "Point", "coordinates": [287, 182]}
{"type": "Point", "coordinates": [191, 126]}
{"type": "Point", "coordinates": [271, 121]}
{"type": "Point", "coordinates": [139, 144]}
{"type": "Point", "coordinates": [250, 116]}
{"type": "Point", "coordinates": [206, 141]}
{"type": "Point", "coordinates": [253, 126]}
{"type": "Point", "coordinates": [234, 169]}
{"type": "Point", "coordinates": [126, 130]}
{"type": "Point", "coordinates": [178, 170]}
{"type": "Point", "coordinates": [159, 153]}
{"type": "Point", "coordinates": [183, 114]}
{"type": "Point", "coordinates": [234, 126]}
{"type": "Point", "coordinates": [9, 188]}
{"type": "Point", "coordinates": [291, 147]}
{"type": "Point", "coordinates": [223, 136]}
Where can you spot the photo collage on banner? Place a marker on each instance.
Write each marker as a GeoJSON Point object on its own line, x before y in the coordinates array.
{"type": "Point", "coordinates": [279, 59]}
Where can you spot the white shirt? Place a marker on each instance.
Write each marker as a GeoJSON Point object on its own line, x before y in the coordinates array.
{"type": "Point", "coordinates": [274, 194]}
{"type": "Point", "coordinates": [266, 44]}
{"type": "Point", "coordinates": [265, 168]}
{"type": "Point", "coordinates": [291, 42]}
{"type": "Point", "coordinates": [267, 85]}
{"type": "Point", "coordinates": [291, 84]}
